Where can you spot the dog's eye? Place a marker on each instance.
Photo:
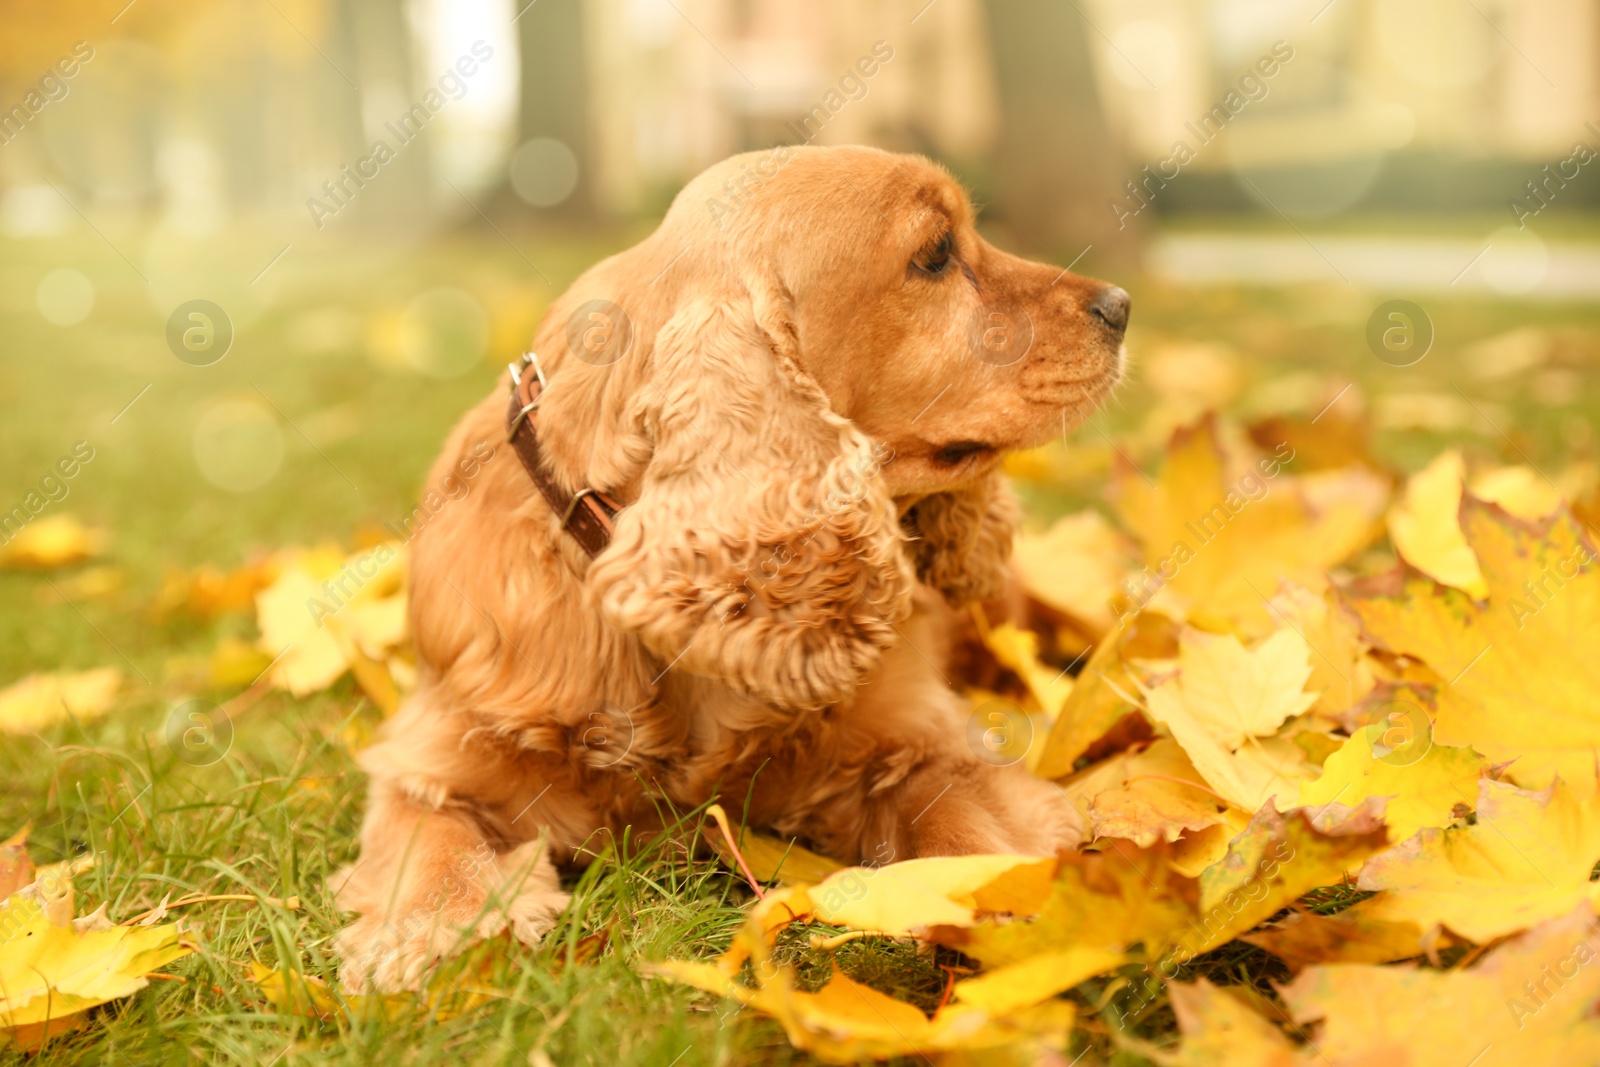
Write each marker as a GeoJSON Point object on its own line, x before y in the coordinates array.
{"type": "Point", "coordinates": [936, 258]}
{"type": "Point", "coordinates": [951, 454]}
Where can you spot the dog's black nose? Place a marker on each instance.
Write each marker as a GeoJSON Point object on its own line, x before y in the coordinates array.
{"type": "Point", "coordinates": [1111, 306]}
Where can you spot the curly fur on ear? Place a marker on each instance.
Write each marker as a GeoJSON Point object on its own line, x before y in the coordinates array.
{"type": "Point", "coordinates": [762, 550]}
{"type": "Point", "coordinates": [962, 539]}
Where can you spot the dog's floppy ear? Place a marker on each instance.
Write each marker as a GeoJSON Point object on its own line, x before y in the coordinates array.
{"type": "Point", "coordinates": [762, 549]}
{"type": "Point", "coordinates": [962, 539]}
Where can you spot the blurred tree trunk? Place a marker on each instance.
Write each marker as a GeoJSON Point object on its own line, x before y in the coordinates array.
{"type": "Point", "coordinates": [1057, 165]}
{"type": "Point", "coordinates": [554, 97]}
{"type": "Point", "coordinates": [377, 53]}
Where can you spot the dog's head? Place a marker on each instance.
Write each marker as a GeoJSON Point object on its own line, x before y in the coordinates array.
{"type": "Point", "coordinates": [802, 384]}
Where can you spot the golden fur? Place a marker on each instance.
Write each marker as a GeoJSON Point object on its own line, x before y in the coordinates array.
{"type": "Point", "coordinates": [805, 435]}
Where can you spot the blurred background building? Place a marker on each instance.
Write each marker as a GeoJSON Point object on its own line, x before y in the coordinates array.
{"type": "Point", "coordinates": [1077, 123]}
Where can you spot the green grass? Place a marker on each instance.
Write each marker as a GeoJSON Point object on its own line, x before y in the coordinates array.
{"type": "Point", "coordinates": [280, 811]}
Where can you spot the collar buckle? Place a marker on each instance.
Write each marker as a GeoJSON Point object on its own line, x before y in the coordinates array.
{"type": "Point", "coordinates": [520, 365]}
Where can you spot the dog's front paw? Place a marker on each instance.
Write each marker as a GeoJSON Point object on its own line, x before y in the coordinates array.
{"type": "Point", "coordinates": [982, 809]}
{"type": "Point", "coordinates": [519, 889]}
{"type": "Point", "coordinates": [385, 955]}
{"type": "Point", "coordinates": [530, 892]}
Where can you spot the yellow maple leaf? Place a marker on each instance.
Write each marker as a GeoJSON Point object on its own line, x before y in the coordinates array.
{"type": "Point", "coordinates": [1199, 849]}
{"type": "Point", "coordinates": [1020, 985]}
{"type": "Point", "coordinates": [1423, 527]}
{"type": "Point", "coordinates": [1019, 650]}
{"type": "Point", "coordinates": [1220, 1029]}
{"type": "Point", "coordinates": [1218, 534]}
{"type": "Point", "coordinates": [1103, 905]}
{"type": "Point", "coordinates": [1236, 692]}
{"type": "Point", "coordinates": [50, 973]}
{"type": "Point", "coordinates": [1350, 936]}
{"type": "Point", "coordinates": [1423, 783]}
{"type": "Point", "coordinates": [1341, 674]}
{"type": "Point", "coordinates": [1279, 858]}
{"type": "Point", "coordinates": [208, 591]}
{"type": "Point", "coordinates": [1154, 794]}
{"type": "Point", "coordinates": [1058, 465]}
{"type": "Point", "coordinates": [1250, 776]}
{"type": "Point", "coordinates": [769, 858]}
{"type": "Point", "coordinates": [1331, 429]}
{"type": "Point", "coordinates": [1105, 693]}
{"type": "Point", "coordinates": [1145, 795]}
{"type": "Point", "coordinates": [1520, 676]}
{"type": "Point", "coordinates": [236, 663]}
{"type": "Point", "coordinates": [1529, 1001]}
{"type": "Point", "coordinates": [53, 541]}
{"type": "Point", "coordinates": [1076, 567]}
{"type": "Point", "coordinates": [898, 898]}
{"type": "Point", "coordinates": [89, 583]}
{"type": "Point", "coordinates": [40, 700]}
{"type": "Point", "coordinates": [1101, 902]}
{"type": "Point", "coordinates": [1526, 859]}
{"type": "Point", "coordinates": [286, 614]}
{"type": "Point", "coordinates": [846, 1022]}
{"type": "Point", "coordinates": [1521, 490]}
{"type": "Point", "coordinates": [1225, 703]}
{"type": "Point", "coordinates": [293, 993]}
{"type": "Point", "coordinates": [318, 628]}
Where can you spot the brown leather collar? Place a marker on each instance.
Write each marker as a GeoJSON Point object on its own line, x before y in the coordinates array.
{"type": "Point", "coordinates": [587, 514]}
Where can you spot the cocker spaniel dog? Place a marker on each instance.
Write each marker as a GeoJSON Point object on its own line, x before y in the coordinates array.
{"type": "Point", "coordinates": [751, 468]}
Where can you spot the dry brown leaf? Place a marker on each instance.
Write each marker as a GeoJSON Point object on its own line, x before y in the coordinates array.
{"type": "Point", "coordinates": [1303, 937]}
